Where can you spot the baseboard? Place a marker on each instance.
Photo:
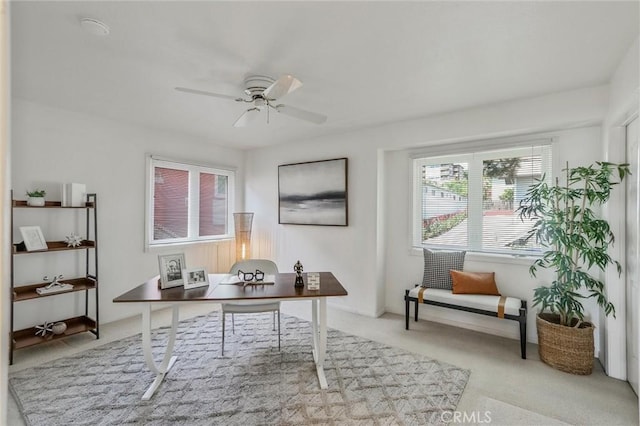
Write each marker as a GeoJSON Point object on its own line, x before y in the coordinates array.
{"type": "Point", "coordinates": [354, 311]}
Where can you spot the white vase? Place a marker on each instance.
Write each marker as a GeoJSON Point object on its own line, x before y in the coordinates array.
{"type": "Point", "coordinates": [35, 201]}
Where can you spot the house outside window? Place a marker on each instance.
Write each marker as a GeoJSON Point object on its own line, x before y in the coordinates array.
{"type": "Point", "coordinates": [187, 203]}
{"type": "Point", "coordinates": [478, 194]}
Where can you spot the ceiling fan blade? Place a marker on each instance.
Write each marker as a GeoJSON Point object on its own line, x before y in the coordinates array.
{"type": "Point", "coordinates": [202, 92]}
{"type": "Point", "coordinates": [282, 86]}
{"type": "Point", "coordinates": [313, 117]}
{"type": "Point", "coordinates": [247, 117]}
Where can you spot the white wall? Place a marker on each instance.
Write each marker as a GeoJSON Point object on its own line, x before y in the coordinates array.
{"type": "Point", "coordinates": [318, 247]}
{"type": "Point", "coordinates": [53, 146]}
{"type": "Point", "coordinates": [624, 96]}
{"type": "Point", "coordinates": [5, 169]}
{"type": "Point", "coordinates": [376, 188]}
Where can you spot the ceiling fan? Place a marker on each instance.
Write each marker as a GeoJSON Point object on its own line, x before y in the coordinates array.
{"type": "Point", "coordinates": [262, 93]}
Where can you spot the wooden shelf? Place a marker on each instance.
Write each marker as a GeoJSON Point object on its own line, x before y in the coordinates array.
{"type": "Point", "coordinates": [49, 204]}
{"type": "Point", "coordinates": [27, 337]}
{"type": "Point", "coordinates": [27, 292]}
{"type": "Point", "coordinates": [58, 246]}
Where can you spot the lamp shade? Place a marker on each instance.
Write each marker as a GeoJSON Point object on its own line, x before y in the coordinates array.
{"type": "Point", "coordinates": [242, 224]}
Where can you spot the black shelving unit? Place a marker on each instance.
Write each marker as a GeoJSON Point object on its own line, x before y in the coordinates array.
{"type": "Point", "coordinates": [88, 283]}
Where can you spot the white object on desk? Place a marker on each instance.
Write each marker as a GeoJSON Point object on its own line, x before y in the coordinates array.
{"type": "Point", "coordinates": [313, 280]}
{"type": "Point", "coordinates": [230, 279]}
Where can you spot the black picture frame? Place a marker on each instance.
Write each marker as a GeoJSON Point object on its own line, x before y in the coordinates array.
{"type": "Point", "coordinates": [314, 193]}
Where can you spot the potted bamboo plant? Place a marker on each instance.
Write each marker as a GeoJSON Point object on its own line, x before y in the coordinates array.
{"type": "Point", "coordinates": [575, 240]}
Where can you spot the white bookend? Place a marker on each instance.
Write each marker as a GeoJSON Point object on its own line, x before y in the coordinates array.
{"type": "Point", "coordinates": [76, 194]}
{"type": "Point", "coordinates": [65, 201]}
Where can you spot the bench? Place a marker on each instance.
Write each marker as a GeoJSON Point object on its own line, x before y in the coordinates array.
{"type": "Point", "coordinates": [494, 306]}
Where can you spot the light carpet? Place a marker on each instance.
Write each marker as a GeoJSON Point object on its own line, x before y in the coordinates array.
{"type": "Point", "coordinates": [252, 384]}
{"type": "Point", "coordinates": [499, 413]}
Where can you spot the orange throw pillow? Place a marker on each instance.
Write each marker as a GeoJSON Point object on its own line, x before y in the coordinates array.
{"type": "Point", "coordinates": [474, 283]}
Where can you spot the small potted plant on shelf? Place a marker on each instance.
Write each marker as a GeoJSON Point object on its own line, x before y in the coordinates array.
{"type": "Point", "coordinates": [36, 198]}
{"type": "Point", "coordinates": [575, 240]}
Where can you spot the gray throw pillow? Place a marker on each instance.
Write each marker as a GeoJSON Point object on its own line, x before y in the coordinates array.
{"type": "Point", "coordinates": [437, 265]}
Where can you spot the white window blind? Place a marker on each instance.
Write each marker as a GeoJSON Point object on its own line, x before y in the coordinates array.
{"type": "Point", "coordinates": [469, 200]}
{"type": "Point", "coordinates": [187, 202]}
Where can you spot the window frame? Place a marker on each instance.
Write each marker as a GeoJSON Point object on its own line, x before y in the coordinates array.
{"type": "Point", "coordinates": [473, 153]}
{"type": "Point", "coordinates": [193, 218]}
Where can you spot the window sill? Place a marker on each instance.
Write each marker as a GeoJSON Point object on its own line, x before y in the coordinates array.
{"type": "Point", "coordinates": [476, 256]}
{"type": "Point", "coordinates": [154, 247]}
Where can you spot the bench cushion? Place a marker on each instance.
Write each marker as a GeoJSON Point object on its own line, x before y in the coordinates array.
{"type": "Point", "coordinates": [476, 301]}
{"type": "Point", "coordinates": [437, 264]}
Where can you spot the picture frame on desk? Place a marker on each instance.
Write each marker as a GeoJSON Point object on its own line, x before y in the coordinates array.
{"type": "Point", "coordinates": [194, 278]}
{"type": "Point", "coordinates": [171, 266]}
{"type": "Point", "coordinates": [33, 238]}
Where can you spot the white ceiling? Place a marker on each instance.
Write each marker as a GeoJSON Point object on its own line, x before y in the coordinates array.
{"type": "Point", "coordinates": [362, 63]}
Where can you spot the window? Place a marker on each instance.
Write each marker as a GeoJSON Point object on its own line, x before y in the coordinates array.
{"type": "Point", "coordinates": [187, 202]}
{"type": "Point", "coordinates": [469, 200]}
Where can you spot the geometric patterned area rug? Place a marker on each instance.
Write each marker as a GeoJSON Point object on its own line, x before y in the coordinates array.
{"type": "Point", "coordinates": [252, 384]}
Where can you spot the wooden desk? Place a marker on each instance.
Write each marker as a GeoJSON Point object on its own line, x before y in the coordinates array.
{"type": "Point", "coordinates": [149, 294]}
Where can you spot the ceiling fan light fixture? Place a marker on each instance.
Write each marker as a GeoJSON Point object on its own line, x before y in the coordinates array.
{"type": "Point", "coordinates": [256, 84]}
{"type": "Point", "coordinates": [263, 92]}
{"type": "Point", "coordinates": [95, 27]}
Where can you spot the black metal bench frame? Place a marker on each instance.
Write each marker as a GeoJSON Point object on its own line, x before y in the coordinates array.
{"type": "Point", "coordinates": [522, 318]}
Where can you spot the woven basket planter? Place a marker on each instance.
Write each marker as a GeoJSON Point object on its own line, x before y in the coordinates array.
{"type": "Point", "coordinates": [567, 349]}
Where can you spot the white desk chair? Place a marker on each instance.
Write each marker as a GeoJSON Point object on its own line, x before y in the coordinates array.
{"type": "Point", "coordinates": [250, 265]}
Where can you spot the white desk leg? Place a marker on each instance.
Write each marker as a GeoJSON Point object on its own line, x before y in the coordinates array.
{"type": "Point", "coordinates": [167, 360]}
{"type": "Point", "coordinates": [321, 339]}
{"type": "Point", "coordinates": [314, 328]}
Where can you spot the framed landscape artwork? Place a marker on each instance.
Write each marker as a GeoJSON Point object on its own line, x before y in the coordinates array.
{"type": "Point", "coordinates": [313, 193]}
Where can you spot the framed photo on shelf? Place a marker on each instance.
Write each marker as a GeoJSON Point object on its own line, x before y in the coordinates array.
{"type": "Point", "coordinates": [313, 193]}
{"type": "Point", "coordinates": [33, 238]}
{"type": "Point", "coordinates": [171, 266]}
{"type": "Point", "coordinates": [194, 278]}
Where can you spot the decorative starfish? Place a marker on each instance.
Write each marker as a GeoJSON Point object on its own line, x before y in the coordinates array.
{"type": "Point", "coordinates": [43, 329]}
{"type": "Point", "coordinates": [73, 240]}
